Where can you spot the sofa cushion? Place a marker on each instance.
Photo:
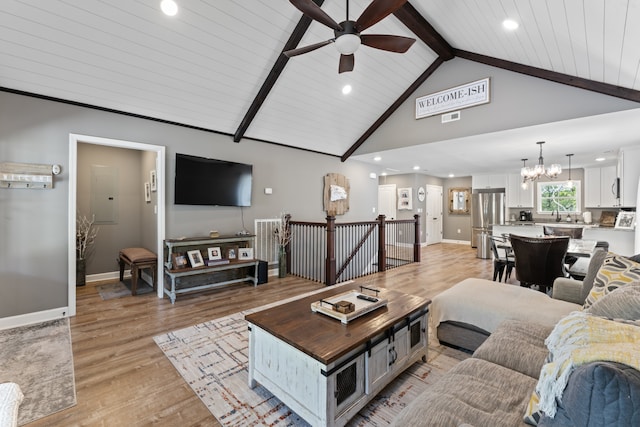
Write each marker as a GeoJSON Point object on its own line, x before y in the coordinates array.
{"type": "Point", "coordinates": [621, 303]}
{"type": "Point", "coordinates": [597, 258]}
{"type": "Point", "coordinates": [474, 391]}
{"type": "Point", "coordinates": [517, 345]}
{"type": "Point", "coordinates": [599, 394]}
{"type": "Point", "coordinates": [484, 304]}
{"type": "Point", "coordinates": [616, 271]}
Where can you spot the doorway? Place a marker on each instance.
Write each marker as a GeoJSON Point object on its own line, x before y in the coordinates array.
{"type": "Point", "coordinates": [74, 140]}
{"type": "Point", "coordinates": [434, 214]}
{"type": "Point", "coordinates": [387, 207]}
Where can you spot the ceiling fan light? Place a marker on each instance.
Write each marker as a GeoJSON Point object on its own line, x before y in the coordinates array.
{"type": "Point", "coordinates": [347, 44]}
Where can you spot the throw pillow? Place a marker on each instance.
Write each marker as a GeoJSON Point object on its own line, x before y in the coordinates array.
{"type": "Point", "coordinates": [616, 271]}
{"type": "Point", "coordinates": [621, 303]}
{"type": "Point", "coordinates": [597, 258]}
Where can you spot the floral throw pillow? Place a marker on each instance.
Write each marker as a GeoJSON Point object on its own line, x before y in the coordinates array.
{"type": "Point", "coordinates": [616, 271]}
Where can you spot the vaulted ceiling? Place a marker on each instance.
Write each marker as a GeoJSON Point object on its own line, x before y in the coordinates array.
{"type": "Point", "coordinates": [218, 65]}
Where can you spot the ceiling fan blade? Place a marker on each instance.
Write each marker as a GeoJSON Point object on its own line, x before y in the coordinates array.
{"type": "Point", "coordinates": [346, 63]}
{"type": "Point", "coordinates": [397, 44]}
{"type": "Point", "coordinates": [376, 12]}
{"type": "Point", "coordinates": [306, 49]}
{"type": "Point", "coordinates": [314, 11]}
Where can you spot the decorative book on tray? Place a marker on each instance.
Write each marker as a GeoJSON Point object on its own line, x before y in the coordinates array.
{"type": "Point", "coordinates": [350, 305]}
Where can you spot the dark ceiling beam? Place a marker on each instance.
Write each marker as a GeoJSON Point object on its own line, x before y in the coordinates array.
{"type": "Point", "coordinates": [599, 87]}
{"type": "Point", "coordinates": [412, 19]}
{"type": "Point", "coordinates": [405, 95]}
{"type": "Point", "coordinates": [274, 74]}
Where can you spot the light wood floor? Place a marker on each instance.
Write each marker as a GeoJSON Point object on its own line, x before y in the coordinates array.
{"type": "Point", "coordinates": [122, 377]}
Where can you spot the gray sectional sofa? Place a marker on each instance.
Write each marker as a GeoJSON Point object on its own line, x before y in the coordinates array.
{"type": "Point", "coordinates": [495, 386]}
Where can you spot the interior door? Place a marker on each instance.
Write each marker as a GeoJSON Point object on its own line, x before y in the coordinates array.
{"type": "Point", "coordinates": [387, 207]}
{"type": "Point", "coordinates": [434, 214]}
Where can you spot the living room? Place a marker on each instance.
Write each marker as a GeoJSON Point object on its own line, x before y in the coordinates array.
{"type": "Point", "coordinates": [35, 128]}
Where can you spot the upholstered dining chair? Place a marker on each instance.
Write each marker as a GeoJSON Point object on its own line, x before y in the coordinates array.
{"type": "Point", "coordinates": [503, 262]}
{"type": "Point", "coordinates": [539, 260]}
{"type": "Point", "coordinates": [573, 232]}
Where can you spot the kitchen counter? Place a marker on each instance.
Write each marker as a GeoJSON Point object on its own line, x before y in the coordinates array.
{"type": "Point", "coordinates": [621, 241]}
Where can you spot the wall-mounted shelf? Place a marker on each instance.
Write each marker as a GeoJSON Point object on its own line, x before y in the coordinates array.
{"type": "Point", "coordinates": [26, 175]}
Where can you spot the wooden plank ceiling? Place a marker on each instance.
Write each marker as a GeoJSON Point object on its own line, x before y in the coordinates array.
{"type": "Point", "coordinates": [217, 65]}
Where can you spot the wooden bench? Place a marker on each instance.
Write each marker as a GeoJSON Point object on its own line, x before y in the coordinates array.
{"type": "Point", "coordinates": [138, 259]}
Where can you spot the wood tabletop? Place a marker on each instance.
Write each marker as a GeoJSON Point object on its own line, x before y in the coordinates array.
{"type": "Point", "coordinates": [324, 338]}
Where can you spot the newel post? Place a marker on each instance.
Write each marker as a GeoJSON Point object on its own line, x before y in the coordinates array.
{"type": "Point", "coordinates": [382, 243]}
{"type": "Point", "coordinates": [330, 267]}
{"type": "Point", "coordinates": [416, 242]}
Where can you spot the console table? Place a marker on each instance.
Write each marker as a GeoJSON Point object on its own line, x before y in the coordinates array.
{"type": "Point", "coordinates": [327, 371]}
{"type": "Point", "coordinates": [206, 277]}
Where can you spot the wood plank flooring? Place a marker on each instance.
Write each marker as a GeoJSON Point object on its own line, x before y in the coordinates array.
{"type": "Point", "coordinates": [122, 377]}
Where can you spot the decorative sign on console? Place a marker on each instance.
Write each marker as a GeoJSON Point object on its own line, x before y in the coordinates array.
{"type": "Point", "coordinates": [467, 95]}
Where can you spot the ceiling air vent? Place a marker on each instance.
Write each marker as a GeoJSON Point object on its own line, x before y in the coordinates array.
{"type": "Point", "coordinates": [451, 117]}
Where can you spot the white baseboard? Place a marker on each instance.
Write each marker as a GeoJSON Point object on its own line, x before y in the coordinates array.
{"type": "Point", "coordinates": [457, 242]}
{"type": "Point", "coordinates": [30, 318]}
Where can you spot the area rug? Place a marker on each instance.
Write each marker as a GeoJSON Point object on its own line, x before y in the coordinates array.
{"type": "Point", "coordinates": [212, 359]}
{"type": "Point", "coordinates": [39, 359]}
{"type": "Point", "coordinates": [122, 289]}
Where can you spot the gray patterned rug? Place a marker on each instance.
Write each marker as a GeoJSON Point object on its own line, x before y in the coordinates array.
{"type": "Point", "coordinates": [212, 359]}
{"type": "Point", "coordinates": [39, 359]}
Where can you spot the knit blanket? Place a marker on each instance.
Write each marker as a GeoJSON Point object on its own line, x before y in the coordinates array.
{"type": "Point", "coordinates": [578, 339]}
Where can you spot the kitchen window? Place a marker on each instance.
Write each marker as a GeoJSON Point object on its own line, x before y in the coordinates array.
{"type": "Point", "coordinates": [558, 197]}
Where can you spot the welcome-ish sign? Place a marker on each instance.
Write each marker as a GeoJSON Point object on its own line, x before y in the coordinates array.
{"type": "Point", "coordinates": [467, 95]}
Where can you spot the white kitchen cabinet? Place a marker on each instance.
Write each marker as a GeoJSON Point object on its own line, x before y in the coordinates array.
{"type": "Point", "coordinates": [489, 181]}
{"type": "Point", "coordinates": [629, 173]}
{"type": "Point", "coordinates": [517, 197]}
{"type": "Point", "coordinates": [600, 187]}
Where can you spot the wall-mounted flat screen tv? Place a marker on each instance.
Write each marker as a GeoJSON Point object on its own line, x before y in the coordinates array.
{"type": "Point", "coordinates": [202, 181]}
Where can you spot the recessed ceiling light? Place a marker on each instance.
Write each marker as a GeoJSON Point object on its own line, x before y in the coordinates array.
{"type": "Point", "coordinates": [416, 168]}
{"type": "Point", "coordinates": [169, 7]}
{"type": "Point", "coordinates": [383, 174]}
{"type": "Point", "coordinates": [451, 175]}
{"type": "Point", "coordinates": [510, 24]}
{"type": "Point", "coordinates": [377, 158]}
{"type": "Point", "coordinates": [346, 89]}
{"type": "Point", "coordinates": [600, 159]}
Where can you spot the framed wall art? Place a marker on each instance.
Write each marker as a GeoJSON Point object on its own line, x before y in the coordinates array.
{"type": "Point", "coordinates": [404, 198]}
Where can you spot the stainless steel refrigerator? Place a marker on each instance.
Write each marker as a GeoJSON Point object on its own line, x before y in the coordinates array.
{"type": "Point", "coordinates": [487, 209]}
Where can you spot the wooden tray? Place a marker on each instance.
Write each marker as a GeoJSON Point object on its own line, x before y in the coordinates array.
{"type": "Point", "coordinates": [362, 307]}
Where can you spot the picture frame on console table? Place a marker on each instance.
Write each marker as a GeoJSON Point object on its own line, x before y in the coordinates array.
{"type": "Point", "coordinates": [195, 258]}
{"type": "Point", "coordinates": [245, 253]}
{"type": "Point", "coordinates": [214, 253]}
{"type": "Point", "coordinates": [179, 261]}
{"type": "Point", "coordinates": [232, 252]}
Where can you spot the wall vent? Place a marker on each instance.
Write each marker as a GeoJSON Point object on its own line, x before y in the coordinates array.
{"type": "Point", "coordinates": [451, 117]}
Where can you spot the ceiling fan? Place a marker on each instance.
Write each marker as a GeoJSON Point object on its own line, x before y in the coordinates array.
{"type": "Point", "coordinates": [347, 33]}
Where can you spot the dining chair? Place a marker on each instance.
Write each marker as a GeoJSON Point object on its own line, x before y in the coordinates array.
{"type": "Point", "coordinates": [539, 260]}
{"type": "Point", "coordinates": [572, 232]}
{"type": "Point", "coordinates": [503, 262]}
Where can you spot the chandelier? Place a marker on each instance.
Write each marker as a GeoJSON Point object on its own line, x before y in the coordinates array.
{"type": "Point", "coordinates": [539, 170]}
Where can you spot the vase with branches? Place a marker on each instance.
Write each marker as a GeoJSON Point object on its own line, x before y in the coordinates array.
{"type": "Point", "coordinates": [283, 237]}
{"type": "Point", "coordinates": [86, 232]}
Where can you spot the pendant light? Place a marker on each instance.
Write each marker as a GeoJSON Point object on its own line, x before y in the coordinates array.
{"type": "Point", "coordinates": [539, 170]}
{"type": "Point", "coordinates": [523, 173]}
{"type": "Point", "coordinates": [569, 182]}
